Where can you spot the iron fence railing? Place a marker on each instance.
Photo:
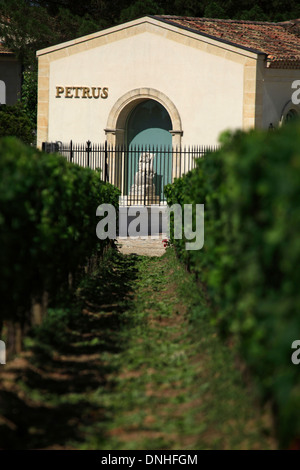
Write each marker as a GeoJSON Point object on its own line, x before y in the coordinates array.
{"type": "Point", "coordinates": [140, 172]}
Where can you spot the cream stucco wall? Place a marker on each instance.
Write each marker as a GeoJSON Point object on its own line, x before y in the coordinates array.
{"type": "Point", "coordinates": [213, 86]}
{"type": "Point", "coordinates": [207, 90]}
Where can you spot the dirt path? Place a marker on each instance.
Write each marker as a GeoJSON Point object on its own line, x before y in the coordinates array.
{"type": "Point", "coordinates": [130, 364]}
{"type": "Point", "coordinates": [142, 246]}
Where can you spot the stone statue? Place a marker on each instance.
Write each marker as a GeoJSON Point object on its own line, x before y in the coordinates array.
{"type": "Point", "coordinates": [143, 181]}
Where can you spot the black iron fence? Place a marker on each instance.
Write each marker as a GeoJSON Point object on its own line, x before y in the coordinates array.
{"type": "Point", "coordinates": [140, 172]}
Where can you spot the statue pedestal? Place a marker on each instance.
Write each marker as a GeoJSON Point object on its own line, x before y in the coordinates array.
{"type": "Point", "coordinates": [143, 189]}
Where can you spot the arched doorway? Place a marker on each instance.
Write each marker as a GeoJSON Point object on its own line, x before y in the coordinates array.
{"type": "Point", "coordinates": [118, 116]}
{"type": "Point", "coordinates": [289, 112]}
{"type": "Point", "coordinates": [149, 124]}
{"type": "Point", "coordinates": [148, 137]}
{"type": "Point", "coordinates": [143, 116]}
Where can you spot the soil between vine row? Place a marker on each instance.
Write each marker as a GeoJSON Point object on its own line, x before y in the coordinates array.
{"type": "Point", "coordinates": [132, 361]}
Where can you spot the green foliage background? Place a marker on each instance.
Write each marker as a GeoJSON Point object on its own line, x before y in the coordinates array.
{"type": "Point", "coordinates": [15, 121]}
{"type": "Point", "coordinates": [29, 95]}
{"type": "Point", "coordinates": [47, 223]}
{"type": "Point", "coordinates": [251, 255]}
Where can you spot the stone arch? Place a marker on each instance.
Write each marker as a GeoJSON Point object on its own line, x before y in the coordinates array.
{"type": "Point", "coordinates": [288, 107]}
{"type": "Point", "coordinates": [116, 123]}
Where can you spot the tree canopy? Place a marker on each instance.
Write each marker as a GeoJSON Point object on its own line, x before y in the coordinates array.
{"type": "Point", "coordinates": [29, 25]}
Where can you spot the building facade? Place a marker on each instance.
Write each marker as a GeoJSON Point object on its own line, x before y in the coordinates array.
{"type": "Point", "coordinates": [167, 82]}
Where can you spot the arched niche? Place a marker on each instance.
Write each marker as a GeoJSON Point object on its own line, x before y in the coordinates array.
{"type": "Point", "coordinates": [118, 116]}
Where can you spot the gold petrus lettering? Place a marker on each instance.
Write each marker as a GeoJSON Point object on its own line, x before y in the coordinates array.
{"type": "Point", "coordinates": [104, 94]}
{"type": "Point", "coordinates": [68, 92]}
{"type": "Point", "coordinates": [86, 92]}
{"type": "Point", "coordinates": [94, 93]}
{"type": "Point", "coordinates": [77, 88]}
{"type": "Point", "coordinates": [59, 91]}
{"type": "Point", "coordinates": [81, 92]}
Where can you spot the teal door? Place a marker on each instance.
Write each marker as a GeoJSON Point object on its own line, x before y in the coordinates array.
{"type": "Point", "coordinates": [148, 129]}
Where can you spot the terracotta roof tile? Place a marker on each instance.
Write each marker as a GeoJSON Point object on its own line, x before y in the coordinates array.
{"type": "Point", "coordinates": [279, 41]}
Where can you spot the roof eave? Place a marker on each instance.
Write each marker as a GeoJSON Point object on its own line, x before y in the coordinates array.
{"type": "Point", "coordinates": [133, 23]}
{"type": "Point", "coordinates": [283, 64]}
{"type": "Point", "coordinates": [209, 36]}
{"type": "Point", "coordinates": [89, 37]}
